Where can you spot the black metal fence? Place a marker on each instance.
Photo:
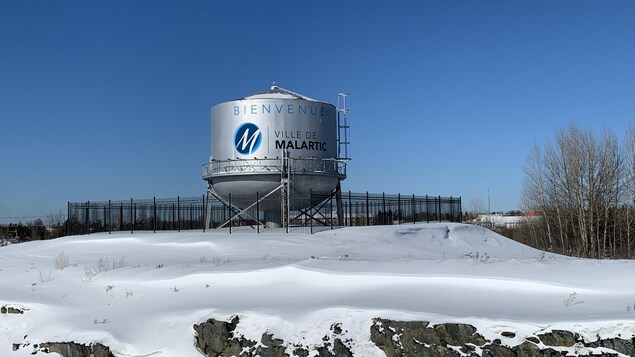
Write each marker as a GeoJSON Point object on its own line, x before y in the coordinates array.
{"type": "Point", "coordinates": [325, 211]}
{"type": "Point", "coordinates": [164, 214]}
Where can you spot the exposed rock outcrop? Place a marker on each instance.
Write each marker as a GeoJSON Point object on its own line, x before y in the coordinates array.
{"type": "Point", "coordinates": [217, 338]}
{"type": "Point", "coordinates": [72, 349]}
{"type": "Point", "coordinates": [626, 347]}
{"type": "Point", "coordinates": [417, 338]}
{"type": "Point", "coordinates": [407, 339]}
{"type": "Point", "coordinates": [6, 309]}
{"type": "Point", "coordinates": [559, 338]}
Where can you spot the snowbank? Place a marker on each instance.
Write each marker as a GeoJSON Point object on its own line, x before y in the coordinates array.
{"type": "Point", "coordinates": [141, 294]}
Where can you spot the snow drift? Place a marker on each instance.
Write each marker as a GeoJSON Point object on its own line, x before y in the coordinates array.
{"type": "Point", "coordinates": [141, 293]}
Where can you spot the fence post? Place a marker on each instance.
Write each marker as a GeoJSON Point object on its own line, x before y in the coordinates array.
{"type": "Point", "coordinates": [178, 212]}
{"type": "Point", "coordinates": [257, 212]}
{"type": "Point", "coordinates": [68, 217]}
{"type": "Point", "coordinates": [414, 209]}
{"type": "Point", "coordinates": [367, 211]}
{"type": "Point", "coordinates": [451, 210]}
{"type": "Point", "coordinates": [132, 216]}
{"type": "Point", "coordinates": [204, 213]}
{"type": "Point", "coordinates": [224, 207]}
{"type": "Point", "coordinates": [230, 213]}
{"type": "Point", "coordinates": [109, 216]}
{"type": "Point", "coordinates": [439, 208]}
{"type": "Point", "coordinates": [154, 213]}
{"type": "Point", "coordinates": [383, 202]}
{"type": "Point", "coordinates": [399, 208]}
{"type": "Point", "coordinates": [460, 211]}
{"type": "Point", "coordinates": [173, 217]}
{"type": "Point", "coordinates": [331, 203]}
{"type": "Point", "coordinates": [350, 210]}
{"type": "Point", "coordinates": [86, 226]}
{"type": "Point", "coordinates": [427, 207]}
{"type": "Point", "coordinates": [310, 210]}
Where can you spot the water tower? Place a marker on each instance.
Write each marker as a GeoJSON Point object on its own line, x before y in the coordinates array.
{"type": "Point", "coordinates": [276, 143]}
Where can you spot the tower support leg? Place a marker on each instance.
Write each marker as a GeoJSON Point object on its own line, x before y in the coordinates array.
{"type": "Point", "coordinates": [208, 204]}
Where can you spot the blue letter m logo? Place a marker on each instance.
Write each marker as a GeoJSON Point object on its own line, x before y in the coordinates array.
{"type": "Point", "coordinates": [247, 138]}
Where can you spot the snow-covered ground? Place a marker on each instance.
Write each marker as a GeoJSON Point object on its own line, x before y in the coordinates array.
{"type": "Point", "coordinates": [141, 294]}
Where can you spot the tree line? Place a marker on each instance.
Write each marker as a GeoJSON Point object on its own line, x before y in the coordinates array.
{"type": "Point", "coordinates": [582, 185]}
{"type": "Point", "coordinates": [54, 227]}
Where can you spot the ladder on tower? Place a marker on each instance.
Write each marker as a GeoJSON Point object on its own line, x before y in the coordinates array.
{"type": "Point", "coordinates": [343, 128]}
{"type": "Point", "coordinates": [285, 183]}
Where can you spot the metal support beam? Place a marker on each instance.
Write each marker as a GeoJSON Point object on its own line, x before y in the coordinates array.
{"type": "Point", "coordinates": [208, 203]}
{"type": "Point", "coordinates": [237, 212]}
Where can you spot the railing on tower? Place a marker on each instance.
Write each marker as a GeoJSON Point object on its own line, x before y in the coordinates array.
{"type": "Point", "coordinates": [274, 166]}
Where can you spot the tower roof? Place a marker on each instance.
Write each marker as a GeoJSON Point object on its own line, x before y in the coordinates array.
{"type": "Point", "coordinates": [276, 92]}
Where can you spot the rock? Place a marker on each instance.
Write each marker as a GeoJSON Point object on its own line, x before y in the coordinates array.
{"type": "Point", "coordinates": [101, 350]}
{"type": "Point", "coordinates": [435, 351]}
{"type": "Point", "coordinates": [533, 339]}
{"type": "Point", "coordinates": [415, 338]}
{"type": "Point", "coordinates": [300, 351]}
{"type": "Point", "coordinates": [497, 341]}
{"type": "Point", "coordinates": [72, 349]}
{"type": "Point", "coordinates": [213, 336]}
{"type": "Point", "coordinates": [274, 347]}
{"type": "Point", "coordinates": [268, 340]}
{"type": "Point", "coordinates": [323, 351]}
{"type": "Point", "coordinates": [616, 344]}
{"type": "Point", "coordinates": [339, 349]}
{"type": "Point", "coordinates": [458, 334]}
{"type": "Point", "coordinates": [508, 334]}
{"type": "Point", "coordinates": [12, 310]}
{"type": "Point", "coordinates": [389, 335]}
{"type": "Point", "coordinates": [399, 338]}
{"type": "Point", "coordinates": [559, 338]}
{"type": "Point", "coordinates": [497, 351]}
{"type": "Point", "coordinates": [528, 349]}
{"type": "Point", "coordinates": [217, 338]}
{"type": "Point", "coordinates": [468, 349]}
{"type": "Point", "coordinates": [337, 328]}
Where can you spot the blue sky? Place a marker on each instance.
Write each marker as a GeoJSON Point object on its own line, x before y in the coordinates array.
{"type": "Point", "coordinates": [111, 99]}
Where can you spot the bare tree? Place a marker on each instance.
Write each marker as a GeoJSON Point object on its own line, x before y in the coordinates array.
{"type": "Point", "coordinates": [475, 207]}
{"type": "Point", "coordinates": [535, 198]}
{"type": "Point", "coordinates": [629, 187]}
{"type": "Point", "coordinates": [576, 184]}
{"type": "Point", "coordinates": [55, 222]}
